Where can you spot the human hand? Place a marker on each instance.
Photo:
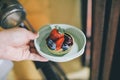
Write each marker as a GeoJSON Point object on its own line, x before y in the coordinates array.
{"type": "Point", "coordinates": [16, 45]}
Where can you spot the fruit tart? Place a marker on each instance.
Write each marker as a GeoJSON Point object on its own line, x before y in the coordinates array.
{"type": "Point", "coordinates": [59, 42]}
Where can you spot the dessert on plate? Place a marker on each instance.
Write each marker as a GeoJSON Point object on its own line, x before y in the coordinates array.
{"type": "Point", "coordinates": [59, 42]}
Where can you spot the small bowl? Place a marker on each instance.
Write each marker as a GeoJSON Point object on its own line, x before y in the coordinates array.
{"type": "Point", "coordinates": [77, 47]}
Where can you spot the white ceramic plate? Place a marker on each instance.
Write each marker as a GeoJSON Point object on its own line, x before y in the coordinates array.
{"type": "Point", "coordinates": [77, 48]}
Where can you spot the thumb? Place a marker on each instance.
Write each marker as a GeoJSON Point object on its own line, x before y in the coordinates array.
{"type": "Point", "coordinates": [32, 35]}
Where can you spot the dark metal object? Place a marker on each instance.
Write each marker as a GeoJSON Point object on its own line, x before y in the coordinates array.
{"type": "Point", "coordinates": [11, 13]}
{"type": "Point", "coordinates": [27, 25]}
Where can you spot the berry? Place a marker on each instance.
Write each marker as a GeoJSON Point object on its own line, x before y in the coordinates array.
{"type": "Point", "coordinates": [68, 39]}
{"type": "Point", "coordinates": [54, 35]}
{"type": "Point", "coordinates": [51, 44]}
{"type": "Point", "coordinates": [65, 47]}
{"type": "Point", "coordinates": [59, 43]}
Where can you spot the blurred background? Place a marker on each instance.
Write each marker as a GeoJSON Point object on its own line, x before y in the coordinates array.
{"type": "Point", "coordinates": [42, 12]}
{"type": "Point", "coordinates": [98, 19]}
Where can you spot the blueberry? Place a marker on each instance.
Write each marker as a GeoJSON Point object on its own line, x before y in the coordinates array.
{"type": "Point", "coordinates": [51, 44]}
{"type": "Point", "coordinates": [65, 47]}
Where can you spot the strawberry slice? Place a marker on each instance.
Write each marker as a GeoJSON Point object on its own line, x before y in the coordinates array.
{"type": "Point", "coordinates": [54, 35]}
{"type": "Point", "coordinates": [54, 31]}
{"type": "Point", "coordinates": [59, 43]}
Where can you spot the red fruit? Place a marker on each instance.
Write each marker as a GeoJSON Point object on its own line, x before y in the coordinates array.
{"type": "Point", "coordinates": [54, 31]}
{"type": "Point", "coordinates": [59, 43]}
{"type": "Point", "coordinates": [54, 35]}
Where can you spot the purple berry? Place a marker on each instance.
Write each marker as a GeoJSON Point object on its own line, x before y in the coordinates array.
{"type": "Point", "coordinates": [68, 39]}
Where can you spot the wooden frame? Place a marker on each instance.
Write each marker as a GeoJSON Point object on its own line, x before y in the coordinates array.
{"type": "Point", "coordinates": [105, 24]}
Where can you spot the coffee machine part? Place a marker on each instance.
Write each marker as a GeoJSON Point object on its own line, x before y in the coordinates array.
{"type": "Point", "coordinates": [11, 13]}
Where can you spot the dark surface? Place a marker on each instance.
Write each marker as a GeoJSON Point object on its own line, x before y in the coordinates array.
{"type": "Point", "coordinates": [98, 14]}
{"type": "Point", "coordinates": [115, 68]}
{"type": "Point", "coordinates": [84, 25]}
{"type": "Point", "coordinates": [105, 48]}
{"type": "Point", "coordinates": [111, 37]}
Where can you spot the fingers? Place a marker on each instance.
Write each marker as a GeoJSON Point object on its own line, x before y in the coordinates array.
{"type": "Point", "coordinates": [32, 47]}
{"type": "Point", "coordinates": [36, 57]}
{"type": "Point", "coordinates": [29, 34]}
{"type": "Point", "coordinates": [32, 35]}
{"type": "Point", "coordinates": [27, 55]}
{"type": "Point", "coordinates": [22, 53]}
{"type": "Point", "coordinates": [31, 43]}
{"type": "Point", "coordinates": [30, 53]}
